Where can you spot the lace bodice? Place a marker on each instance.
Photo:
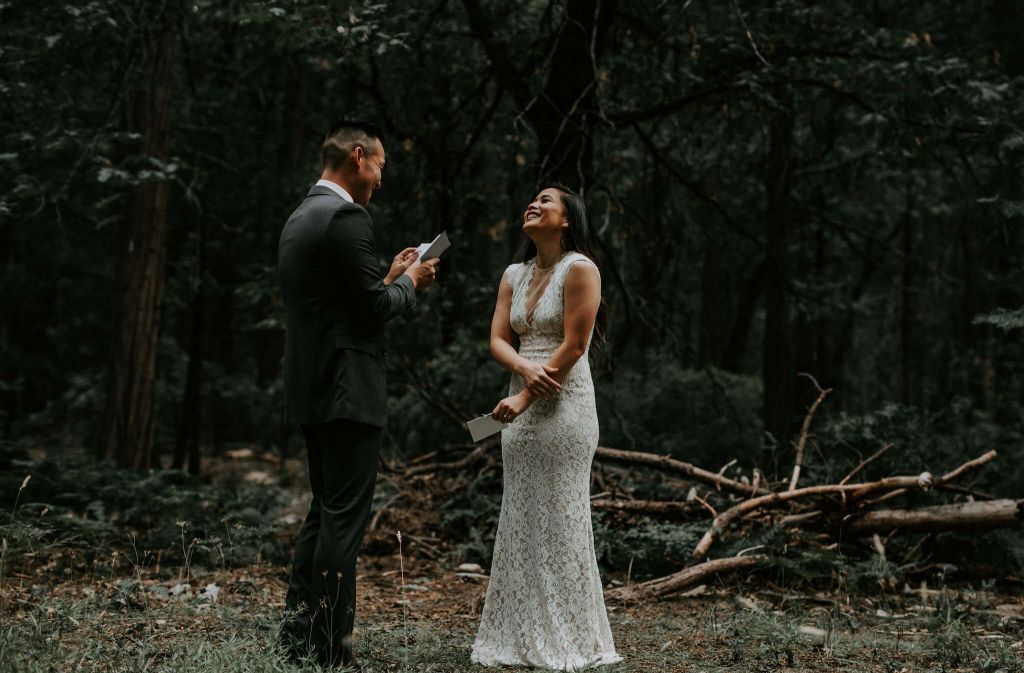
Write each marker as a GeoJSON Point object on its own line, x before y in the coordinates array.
{"type": "Point", "coordinates": [541, 336]}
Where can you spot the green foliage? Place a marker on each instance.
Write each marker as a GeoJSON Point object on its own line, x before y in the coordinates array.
{"type": "Point", "coordinates": [643, 546]}
{"type": "Point", "coordinates": [696, 415]}
{"type": "Point", "coordinates": [893, 126]}
{"type": "Point", "coordinates": [1004, 319]}
{"type": "Point", "coordinates": [89, 506]}
{"type": "Point", "coordinates": [936, 441]}
{"type": "Point", "coordinates": [471, 517]}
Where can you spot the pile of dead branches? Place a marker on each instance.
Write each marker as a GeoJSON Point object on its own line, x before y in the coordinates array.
{"type": "Point", "coordinates": [846, 510]}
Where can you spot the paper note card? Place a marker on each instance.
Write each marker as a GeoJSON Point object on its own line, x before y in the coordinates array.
{"type": "Point", "coordinates": [485, 426]}
{"type": "Point", "coordinates": [434, 248]}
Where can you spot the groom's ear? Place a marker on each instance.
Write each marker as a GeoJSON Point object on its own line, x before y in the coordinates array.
{"type": "Point", "coordinates": [358, 155]}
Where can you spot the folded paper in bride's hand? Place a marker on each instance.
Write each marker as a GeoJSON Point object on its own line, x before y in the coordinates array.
{"type": "Point", "coordinates": [485, 426]}
{"type": "Point", "coordinates": [434, 248]}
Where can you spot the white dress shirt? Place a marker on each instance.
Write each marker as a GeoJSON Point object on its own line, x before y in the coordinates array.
{"type": "Point", "coordinates": [338, 189]}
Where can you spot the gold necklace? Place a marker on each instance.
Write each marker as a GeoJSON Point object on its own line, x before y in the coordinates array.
{"type": "Point", "coordinates": [547, 268]}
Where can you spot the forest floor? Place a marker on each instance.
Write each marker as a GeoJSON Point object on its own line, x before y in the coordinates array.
{"type": "Point", "coordinates": [417, 614]}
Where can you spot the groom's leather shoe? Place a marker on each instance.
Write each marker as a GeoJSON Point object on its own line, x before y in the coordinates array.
{"type": "Point", "coordinates": [352, 666]}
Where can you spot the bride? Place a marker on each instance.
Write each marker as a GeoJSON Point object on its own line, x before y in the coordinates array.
{"type": "Point", "coordinates": [544, 605]}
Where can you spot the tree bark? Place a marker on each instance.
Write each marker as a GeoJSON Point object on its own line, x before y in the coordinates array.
{"type": "Point", "coordinates": [563, 112]}
{"type": "Point", "coordinates": [776, 362]}
{"type": "Point", "coordinates": [809, 340]}
{"type": "Point", "coordinates": [732, 359]}
{"type": "Point", "coordinates": [907, 352]}
{"type": "Point", "coordinates": [971, 516]}
{"type": "Point", "coordinates": [566, 109]}
{"type": "Point", "coordinates": [129, 418]}
{"type": "Point", "coordinates": [186, 446]}
{"type": "Point", "coordinates": [670, 508]}
{"type": "Point", "coordinates": [713, 323]}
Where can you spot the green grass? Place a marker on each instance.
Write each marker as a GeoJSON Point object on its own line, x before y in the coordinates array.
{"type": "Point", "coordinates": [123, 626]}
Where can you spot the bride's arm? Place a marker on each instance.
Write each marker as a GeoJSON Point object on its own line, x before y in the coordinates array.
{"type": "Point", "coordinates": [502, 348]}
{"type": "Point", "coordinates": [581, 299]}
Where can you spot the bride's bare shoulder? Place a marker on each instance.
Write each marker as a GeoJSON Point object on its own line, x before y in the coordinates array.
{"type": "Point", "coordinates": [581, 266]}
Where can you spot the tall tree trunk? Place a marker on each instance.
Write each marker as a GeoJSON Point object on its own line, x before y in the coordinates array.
{"type": "Point", "coordinates": [566, 109]}
{"type": "Point", "coordinates": [713, 324]}
{"type": "Point", "coordinates": [809, 338]}
{"type": "Point", "coordinates": [966, 375]}
{"type": "Point", "coordinates": [907, 304]}
{"type": "Point", "coordinates": [776, 369]}
{"type": "Point", "coordinates": [739, 332]}
{"type": "Point", "coordinates": [270, 343]}
{"type": "Point", "coordinates": [129, 418]}
{"type": "Point", "coordinates": [186, 445]}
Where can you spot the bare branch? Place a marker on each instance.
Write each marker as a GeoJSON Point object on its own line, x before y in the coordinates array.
{"type": "Point", "coordinates": [682, 579]}
{"type": "Point", "coordinates": [865, 462]}
{"type": "Point", "coordinates": [467, 460]}
{"type": "Point", "coordinates": [678, 467]}
{"type": "Point", "coordinates": [750, 36]}
{"type": "Point", "coordinates": [672, 508]}
{"type": "Point", "coordinates": [922, 481]}
{"type": "Point", "coordinates": [805, 430]}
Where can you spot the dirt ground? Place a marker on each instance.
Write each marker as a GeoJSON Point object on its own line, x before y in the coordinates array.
{"type": "Point", "coordinates": [417, 613]}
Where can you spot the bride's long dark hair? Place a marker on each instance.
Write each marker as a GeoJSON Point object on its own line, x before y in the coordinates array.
{"type": "Point", "coordinates": [577, 237]}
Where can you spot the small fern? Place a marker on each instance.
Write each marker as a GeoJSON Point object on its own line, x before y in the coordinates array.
{"type": "Point", "coordinates": [1004, 319]}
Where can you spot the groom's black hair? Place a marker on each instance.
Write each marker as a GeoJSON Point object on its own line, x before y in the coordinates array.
{"type": "Point", "coordinates": [367, 127]}
{"type": "Point", "coordinates": [344, 135]}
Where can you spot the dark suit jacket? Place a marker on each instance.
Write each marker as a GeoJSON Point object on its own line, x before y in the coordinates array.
{"type": "Point", "coordinates": [336, 304]}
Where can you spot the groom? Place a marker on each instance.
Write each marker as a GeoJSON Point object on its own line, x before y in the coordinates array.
{"type": "Point", "coordinates": [337, 303]}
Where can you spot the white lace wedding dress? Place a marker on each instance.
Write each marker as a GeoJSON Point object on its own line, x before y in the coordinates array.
{"type": "Point", "coordinates": [544, 605]}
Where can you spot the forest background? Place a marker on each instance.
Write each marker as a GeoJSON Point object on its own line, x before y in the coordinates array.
{"type": "Point", "coordinates": [776, 188]}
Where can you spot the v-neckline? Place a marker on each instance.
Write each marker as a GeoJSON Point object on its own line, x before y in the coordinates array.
{"type": "Point", "coordinates": [533, 270]}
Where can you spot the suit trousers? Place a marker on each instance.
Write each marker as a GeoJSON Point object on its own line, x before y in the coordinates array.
{"type": "Point", "coordinates": [321, 598]}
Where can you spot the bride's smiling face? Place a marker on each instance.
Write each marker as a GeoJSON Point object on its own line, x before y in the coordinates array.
{"type": "Point", "coordinates": [545, 213]}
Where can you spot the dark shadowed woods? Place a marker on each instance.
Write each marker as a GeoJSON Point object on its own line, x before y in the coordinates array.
{"type": "Point", "coordinates": [810, 223]}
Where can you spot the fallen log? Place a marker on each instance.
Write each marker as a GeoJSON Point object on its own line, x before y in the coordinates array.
{"type": "Point", "coordinates": [656, 507]}
{"type": "Point", "coordinates": [923, 481]}
{"type": "Point", "coordinates": [684, 578]}
{"type": "Point", "coordinates": [670, 464]}
{"type": "Point", "coordinates": [983, 515]}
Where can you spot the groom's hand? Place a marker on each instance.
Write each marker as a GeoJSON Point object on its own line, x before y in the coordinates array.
{"type": "Point", "coordinates": [423, 274]}
{"type": "Point", "coordinates": [402, 261]}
